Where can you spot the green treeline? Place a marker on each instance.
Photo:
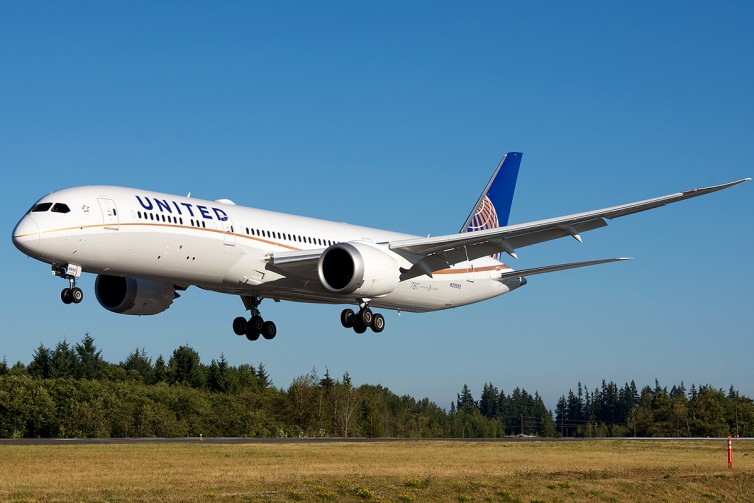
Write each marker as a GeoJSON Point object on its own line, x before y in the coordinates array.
{"type": "Point", "coordinates": [654, 412]}
{"type": "Point", "coordinates": [70, 391]}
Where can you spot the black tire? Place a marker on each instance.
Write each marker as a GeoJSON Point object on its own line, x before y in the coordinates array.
{"type": "Point", "coordinates": [366, 317]}
{"type": "Point", "coordinates": [269, 330]}
{"type": "Point", "coordinates": [239, 325]}
{"type": "Point", "coordinates": [77, 295]}
{"type": "Point", "coordinates": [254, 327]}
{"type": "Point", "coordinates": [378, 323]}
{"type": "Point", "coordinates": [66, 296]}
{"type": "Point", "coordinates": [256, 323]}
{"type": "Point", "coordinates": [359, 327]}
{"type": "Point", "coordinates": [347, 317]}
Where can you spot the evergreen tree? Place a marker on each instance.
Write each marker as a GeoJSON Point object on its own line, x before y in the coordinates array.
{"type": "Point", "coordinates": [263, 377]}
{"type": "Point", "coordinates": [218, 375]}
{"type": "Point", "coordinates": [489, 400]}
{"type": "Point", "coordinates": [41, 365]}
{"type": "Point", "coordinates": [184, 367]}
{"type": "Point", "coordinates": [160, 370]}
{"type": "Point", "coordinates": [466, 401]}
{"type": "Point", "coordinates": [139, 363]}
{"type": "Point", "coordinates": [326, 383]}
{"type": "Point", "coordinates": [63, 361]}
{"type": "Point", "coordinates": [89, 361]}
{"type": "Point", "coordinates": [561, 411]}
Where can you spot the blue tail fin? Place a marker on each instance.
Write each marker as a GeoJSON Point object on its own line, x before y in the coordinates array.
{"type": "Point", "coordinates": [494, 205]}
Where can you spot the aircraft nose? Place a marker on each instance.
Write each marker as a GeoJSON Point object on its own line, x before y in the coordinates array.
{"type": "Point", "coordinates": [26, 235]}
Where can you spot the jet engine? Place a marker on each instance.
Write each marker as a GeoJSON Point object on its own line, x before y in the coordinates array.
{"type": "Point", "coordinates": [133, 296]}
{"type": "Point", "coordinates": [357, 268]}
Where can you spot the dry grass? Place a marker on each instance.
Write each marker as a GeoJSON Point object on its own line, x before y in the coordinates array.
{"type": "Point", "coordinates": [386, 471]}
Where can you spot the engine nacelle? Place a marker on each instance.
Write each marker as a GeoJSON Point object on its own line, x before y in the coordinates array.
{"type": "Point", "coordinates": [133, 296]}
{"type": "Point", "coordinates": [361, 269]}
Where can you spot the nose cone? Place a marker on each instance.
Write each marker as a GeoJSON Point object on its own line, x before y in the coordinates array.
{"type": "Point", "coordinates": [26, 235]}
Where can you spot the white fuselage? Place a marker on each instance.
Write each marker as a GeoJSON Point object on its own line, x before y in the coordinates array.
{"type": "Point", "coordinates": [219, 246]}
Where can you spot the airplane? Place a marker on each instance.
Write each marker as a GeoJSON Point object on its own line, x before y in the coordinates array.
{"type": "Point", "coordinates": [146, 246]}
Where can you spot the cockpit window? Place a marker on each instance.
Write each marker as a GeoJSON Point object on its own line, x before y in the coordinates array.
{"type": "Point", "coordinates": [41, 207]}
{"type": "Point", "coordinates": [60, 208]}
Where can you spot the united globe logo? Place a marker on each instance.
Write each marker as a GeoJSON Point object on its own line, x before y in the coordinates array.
{"type": "Point", "coordinates": [485, 216]}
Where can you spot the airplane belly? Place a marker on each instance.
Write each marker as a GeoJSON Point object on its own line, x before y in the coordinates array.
{"type": "Point", "coordinates": [441, 292]}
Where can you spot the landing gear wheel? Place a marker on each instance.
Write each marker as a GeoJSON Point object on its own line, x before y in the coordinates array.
{"type": "Point", "coordinates": [66, 296]}
{"type": "Point", "coordinates": [239, 325]}
{"type": "Point", "coordinates": [366, 316]}
{"type": "Point", "coordinates": [378, 323]}
{"type": "Point", "coordinates": [269, 330]}
{"type": "Point", "coordinates": [256, 323]}
{"type": "Point", "coordinates": [359, 327]}
{"type": "Point", "coordinates": [254, 327]}
{"type": "Point", "coordinates": [76, 295]}
{"type": "Point", "coordinates": [347, 318]}
{"type": "Point", "coordinates": [251, 334]}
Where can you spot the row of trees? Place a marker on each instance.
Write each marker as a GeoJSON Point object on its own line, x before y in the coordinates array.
{"type": "Point", "coordinates": [70, 391]}
{"type": "Point", "coordinates": [702, 411]}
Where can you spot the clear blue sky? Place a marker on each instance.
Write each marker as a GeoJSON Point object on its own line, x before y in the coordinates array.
{"type": "Point", "coordinates": [393, 115]}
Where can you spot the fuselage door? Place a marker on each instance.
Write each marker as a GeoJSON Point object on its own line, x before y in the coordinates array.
{"type": "Point", "coordinates": [109, 213]}
{"type": "Point", "coordinates": [229, 232]}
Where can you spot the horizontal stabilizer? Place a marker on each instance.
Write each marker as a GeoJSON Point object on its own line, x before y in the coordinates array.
{"type": "Point", "coordinates": [552, 268]}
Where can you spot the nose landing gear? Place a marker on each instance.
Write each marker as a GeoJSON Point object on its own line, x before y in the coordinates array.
{"type": "Point", "coordinates": [255, 326]}
{"type": "Point", "coordinates": [71, 272]}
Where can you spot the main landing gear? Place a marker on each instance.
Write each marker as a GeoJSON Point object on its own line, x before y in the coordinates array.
{"type": "Point", "coordinates": [255, 326]}
{"type": "Point", "coordinates": [362, 320]}
{"type": "Point", "coordinates": [73, 294]}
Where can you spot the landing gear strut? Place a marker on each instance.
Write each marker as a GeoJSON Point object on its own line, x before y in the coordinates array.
{"type": "Point", "coordinates": [254, 326]}
{"type": "Point", "coordinates": [362, 320]}
{"type": "Point", "coordinates": [72, 294]}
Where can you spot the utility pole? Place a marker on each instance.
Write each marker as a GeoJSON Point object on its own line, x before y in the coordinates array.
{"type": "Point", "coordinates": [522, 425]}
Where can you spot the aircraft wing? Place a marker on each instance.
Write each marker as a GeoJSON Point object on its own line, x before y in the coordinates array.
{"type": "Point", "coordinates": [440, 252]}
{"type": "Point", "coordinates": [437, 253]}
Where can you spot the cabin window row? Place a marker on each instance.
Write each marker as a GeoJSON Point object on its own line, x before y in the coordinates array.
{"type": "Point", "coordinates": [249, 231]}
{"type": "Point", "coordinates": [289, 237]}
{"type": "Point", "coordinates": [170, 219]}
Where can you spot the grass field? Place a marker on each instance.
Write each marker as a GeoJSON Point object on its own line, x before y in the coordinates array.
{"type": "Point", "coordinates": [640, 470]}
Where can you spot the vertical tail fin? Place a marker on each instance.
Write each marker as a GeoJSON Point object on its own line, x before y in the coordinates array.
{"type": "Point", "coordinates": [494, 205]}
